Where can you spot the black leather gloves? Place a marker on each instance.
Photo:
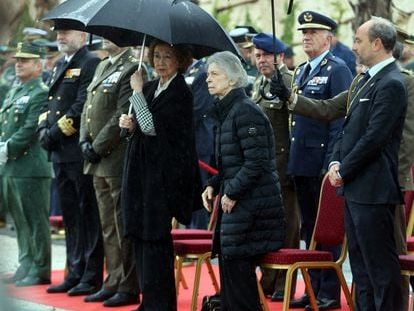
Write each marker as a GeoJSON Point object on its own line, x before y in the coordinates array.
{"type": "Point", "coordinates": [45, 139]}
{"type": "Point", "coordinates": [278, 87]}
{"type": "Point", "coordinates": [88, 153]}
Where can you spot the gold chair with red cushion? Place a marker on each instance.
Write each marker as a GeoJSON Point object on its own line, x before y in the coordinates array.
{"type": "Point", "coordinates": [329, 230]}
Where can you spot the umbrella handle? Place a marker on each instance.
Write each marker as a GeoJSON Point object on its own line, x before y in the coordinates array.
{"type": "Point", "coordinates": [262, 91]}
{"type": "Point", "coordinates": [124, 131]}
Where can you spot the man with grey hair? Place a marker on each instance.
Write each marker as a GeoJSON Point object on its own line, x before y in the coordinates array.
{"type": "Point", "coordinates": [58, 131]}
{"type": "Point", "coordinates": [323, 76]}
{"type": "Point", "coordinates": [364, 164]}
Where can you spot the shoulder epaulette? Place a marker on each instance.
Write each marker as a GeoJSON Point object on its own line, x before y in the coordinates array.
{"type": "Point", "coordinates": [132, 59]}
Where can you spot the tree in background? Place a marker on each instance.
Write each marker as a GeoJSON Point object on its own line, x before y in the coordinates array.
{"type": "Point", "coordinates": [364, 9]}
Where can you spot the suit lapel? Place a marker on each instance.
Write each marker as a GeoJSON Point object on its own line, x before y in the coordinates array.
{"type": "Point", "coordinates": [313, 73]}
{"type": "Point", "coordinates": [60, 70]}
{"type": "Point", "coordinates": [365, 89]}
{"type": "Point", "coordinates": [106, 72]}
{"type": "Point", "coordinates": [64, 66]}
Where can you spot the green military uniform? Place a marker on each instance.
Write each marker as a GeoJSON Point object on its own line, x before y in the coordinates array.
{"type": "Point", "coordinates": [26, 176]}
{"type": "Point", "coordinates": [7, 78]}
{"type": "Point", "coordinates": [108, 97]}
{"type": "Point", "coordinates": [278, 115]}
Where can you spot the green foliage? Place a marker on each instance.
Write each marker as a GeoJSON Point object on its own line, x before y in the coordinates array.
{"type": "Point", "coordinates": [288, 23]}
{"type": "Point", "coordinates": [339, 9]}
{"type": "Point", "coordinates": [223, 17]}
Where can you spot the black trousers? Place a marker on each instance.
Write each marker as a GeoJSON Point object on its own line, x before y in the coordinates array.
{"type": "Point", "coordinates": [325, 283]}
{"type": "Point", "coordinates": [83, 234]}
{"type": "Point", "coordinates": [155, 269]}
{"type": "Point", "coordinates": [373, 256]}
{"type": "Point", "coordinates": [239, 284]}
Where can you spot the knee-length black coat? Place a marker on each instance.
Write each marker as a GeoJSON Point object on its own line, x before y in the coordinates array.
{"type": "Point", "coordinates": [161, 175]}
{"type": "Point", "coordinates": [246, 160]}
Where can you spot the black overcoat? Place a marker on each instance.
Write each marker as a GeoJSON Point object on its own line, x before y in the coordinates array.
{"type": "Point", "coordinates": [161, 176]}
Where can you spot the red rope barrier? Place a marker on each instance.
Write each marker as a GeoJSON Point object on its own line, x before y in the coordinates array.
{"type": "Point", "coordinates": [205, 167]}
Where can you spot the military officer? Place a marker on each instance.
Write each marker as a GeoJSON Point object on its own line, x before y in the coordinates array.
{"type": "Point", "coordinates": [322, 76]}
{"type": "Point", "coordinates": [242, 36]}
{"type": "Point", "coordinates": [279, 118]}
{"type": "Point", "coordinates": [7, 78]}
{"type": "Point", "coordinates": [195, 77]}
{"type": "Point", "coordinates": [59, 134]}
{"type": "Point", "coordinates": [103, 151]}
{"type": "Point", "coordinates": [27, 173]}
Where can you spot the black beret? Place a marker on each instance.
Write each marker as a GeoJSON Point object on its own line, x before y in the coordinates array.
{"type": "Point", "coordinates": [313, 20]}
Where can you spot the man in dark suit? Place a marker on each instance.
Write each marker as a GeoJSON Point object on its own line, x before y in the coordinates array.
{"type": "Point", "coordinates": [59, 134]}
{"type": "Point", "coordinates": [322, 76]}
{"type": "Point", "coordinates": [365, 165]}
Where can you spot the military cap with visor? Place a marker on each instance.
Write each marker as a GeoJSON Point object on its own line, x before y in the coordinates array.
{"type": "Point", "coordinates": [27, 50]}
{"type": "Point", "coordinates": [314, 20]}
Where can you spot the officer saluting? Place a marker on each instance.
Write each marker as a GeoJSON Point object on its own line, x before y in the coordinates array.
{"type": "Point", "coordinates": [59, 134]}
{"type": "Point", "coordinates": [322, 76]}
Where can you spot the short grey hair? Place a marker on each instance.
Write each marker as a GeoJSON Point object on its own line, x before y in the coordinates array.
{"type": "Point", "coordinates": [384, 30]}
{"type": "Point", "coordinates": [232, 67]}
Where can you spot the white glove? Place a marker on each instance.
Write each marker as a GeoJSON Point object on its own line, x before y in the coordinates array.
{"type": "Point", "coordinates": [3, 153]}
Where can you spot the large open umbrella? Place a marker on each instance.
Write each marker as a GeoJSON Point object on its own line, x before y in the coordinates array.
{"type": "Point", "coordinates": [125, 22]}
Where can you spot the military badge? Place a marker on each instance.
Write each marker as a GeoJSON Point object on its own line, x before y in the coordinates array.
{"type": "Point", "coordinates": [112, 79]}
{"type": "Point", "coordinates": [74, 72]}
{"type": "Point", "coordinates": [308, 17]}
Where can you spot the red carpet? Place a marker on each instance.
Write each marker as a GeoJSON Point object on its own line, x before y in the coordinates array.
{"type": "Point", "coordinates": [37, 294]}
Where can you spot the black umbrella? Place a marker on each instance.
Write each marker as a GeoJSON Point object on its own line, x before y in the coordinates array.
{"type": "Point", "coordinates": [125, 22]}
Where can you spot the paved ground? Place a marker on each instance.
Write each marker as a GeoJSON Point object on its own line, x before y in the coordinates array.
{"type": "Point", "coordinates": [8, 263]}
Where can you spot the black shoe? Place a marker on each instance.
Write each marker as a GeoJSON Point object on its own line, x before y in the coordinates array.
{"type": "Point", "coordinates": [121, 299]}
{"type": "Point", "coordinates": [100, 296]}
{"type": "Point", "coordinates": [325, 304]}
{"type": "Point", "coordinates": [61, 288]}
{"type": "Point", "coordinates": [83, 289]}
{"type": "Point", "coordinates": [302, 302]}
{"type": "Point", "coordinates": [32, 280]}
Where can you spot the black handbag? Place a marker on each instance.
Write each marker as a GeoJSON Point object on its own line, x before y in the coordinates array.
{"type": "Point", "coordinates": [211, 303]}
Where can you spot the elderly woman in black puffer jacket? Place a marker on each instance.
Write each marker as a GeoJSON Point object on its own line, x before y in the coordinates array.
{"type": "Point", "coordinates": [251, 219]}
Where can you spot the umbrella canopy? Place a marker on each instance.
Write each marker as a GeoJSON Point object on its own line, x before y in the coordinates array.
{"type": "Point", "coordinates": [125, 22]}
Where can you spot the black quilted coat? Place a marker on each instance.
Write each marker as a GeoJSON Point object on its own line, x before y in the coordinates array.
{"type": "Point", "coordinates": [245, 157]}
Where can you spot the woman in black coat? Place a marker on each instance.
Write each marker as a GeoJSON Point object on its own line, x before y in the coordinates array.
{"type": "Point", "coordinates": [161, 173]}
{"type": "Point", "coordinates": [251, 219]}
